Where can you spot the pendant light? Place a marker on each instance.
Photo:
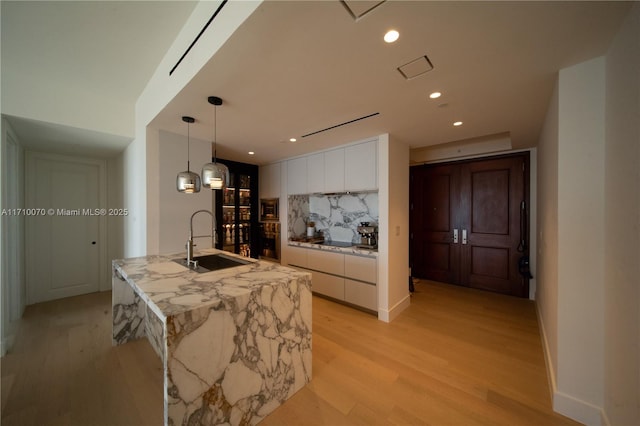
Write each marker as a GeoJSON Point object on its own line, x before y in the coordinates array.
{"type": "Point", "coordinates": [215, 175]}
{"type": "Point", "coordinates": [187, 181]}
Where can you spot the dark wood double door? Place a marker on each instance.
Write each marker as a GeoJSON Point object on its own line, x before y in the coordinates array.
{"type": "Point", "coordinates": [468, 223]}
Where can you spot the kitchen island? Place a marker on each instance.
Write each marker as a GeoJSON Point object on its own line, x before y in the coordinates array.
{"type": "Point", "coordinates": [235, 343]}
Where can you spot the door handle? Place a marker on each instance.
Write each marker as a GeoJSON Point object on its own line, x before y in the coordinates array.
{"type": "Point", "coordinates": [464, 236]}
{"type": "Point", "coordinates": [455, 236]}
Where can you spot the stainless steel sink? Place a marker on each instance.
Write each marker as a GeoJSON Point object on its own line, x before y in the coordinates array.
{"type": "Point", "coordinates": [213, 262]}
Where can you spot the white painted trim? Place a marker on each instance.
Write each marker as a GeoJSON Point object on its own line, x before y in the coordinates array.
{"type": "Point", "coordinates": [392, 313]}
{"type": "Point", "coordinates": [547, 354]}
{"type": "Point", "coordinates": [12, 291]}
{"type": "Point", "coordinates": [577, 409]}
{"type": "Point", "coordinates": [472, 157]}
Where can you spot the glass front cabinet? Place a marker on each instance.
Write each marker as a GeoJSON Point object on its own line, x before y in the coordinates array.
{"type": "Point", "coordinates": [236, 210]}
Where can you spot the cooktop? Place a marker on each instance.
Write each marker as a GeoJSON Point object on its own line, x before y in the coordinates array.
{"type": "Point", "coordinates": [338, 244]}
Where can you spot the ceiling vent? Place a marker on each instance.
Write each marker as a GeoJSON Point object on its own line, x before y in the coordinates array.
{"type": "Point", "coordinates": [358, 8]}
{"type": "Point", "coordinates": [416, 67]}
{"type": "Point", "coordinates": [341, 124]}
{"type": "Point", "coordinates": [199, 35]}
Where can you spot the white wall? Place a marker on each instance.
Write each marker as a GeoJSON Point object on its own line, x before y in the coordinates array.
{"type": "Point", "coordinates": [13, 285]}
{"type": "Point", "coordinates": [141, 232]}
{"type": "Point", "coordinates": [134, 174]}
{"type": "Point", "coordinates": [622, 226]}
{"type": "Point", "coordinates": [589, 235]}
{"type": "Point", "coordinates": [547, 237]}
{"type": "Point", "coordinates": [115, 224]}
{"type": "Point", "coordinates": [393, 196]}
{"type": "Point", "coordinates": [580, 377]}
{"type": "Point", "coordinates": [176, 208]}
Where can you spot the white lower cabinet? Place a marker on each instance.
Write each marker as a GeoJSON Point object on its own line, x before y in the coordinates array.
{"type": "Point", "coordinates": [344, 277]}
{"type": "Point", "coordinates": [296, 256]}
{"type": "Point", "coordinates": [361, 294]}
{"type": "Point", "coordinates": [328, 285]}
{"type": "Point", "coordinates": [361, 268]}
{"type": "Point", "coordinates": [326, 261]}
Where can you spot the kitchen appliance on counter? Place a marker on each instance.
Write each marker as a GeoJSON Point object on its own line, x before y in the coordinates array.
{"type": "Point", "coordinates": [269, 240]}
{"type": "Point", "coordinates": [269, 209]}
{"type": "Point", "coordinates": [368, 236]}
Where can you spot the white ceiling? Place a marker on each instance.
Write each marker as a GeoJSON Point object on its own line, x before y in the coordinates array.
{"type": "Point", "coordinates": [73, 70]}
{"type": "Point", "coordinates": [295, 67]}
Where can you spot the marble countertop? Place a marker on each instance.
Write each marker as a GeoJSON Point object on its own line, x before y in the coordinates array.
{"type": "Point", "coordinates": [170, 288]}
{"type": "Point", "coordinates": [353, 250]}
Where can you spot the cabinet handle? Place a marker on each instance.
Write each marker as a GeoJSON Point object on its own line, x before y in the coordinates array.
{"type": "Point", "coordinates": [464, 236]}
{"type": "Point", "coordinates": [455, 236]}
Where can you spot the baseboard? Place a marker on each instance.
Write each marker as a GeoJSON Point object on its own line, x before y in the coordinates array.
{"type": "Point", "coordinates": [547, 355]}
{"type": "Point", "coordinates": [5, 344]}
{"type": "Point", "coordinates": [578, 410]}
{"type": "Point", "coordinates": [391, 314]}
{"type": "Point", "coordinates": [563, 403]}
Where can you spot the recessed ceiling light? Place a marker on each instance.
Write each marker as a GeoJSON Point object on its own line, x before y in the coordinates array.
{"type": "Point", "coordinates": [457, 123]}
{"type": "Point", "coordinates": [435, 95]}
{"type": "Point", "coordinates": [391, 36]}
{"type": "Point", "coordinates": [292, 140]}
{"type": "Point", "coordinates": [251, 152]}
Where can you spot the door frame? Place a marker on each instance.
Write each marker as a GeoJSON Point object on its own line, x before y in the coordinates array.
{"type": "Point", "coordinates": [530, 195]}
{"type": "Point", "coordinates": [104, 282]}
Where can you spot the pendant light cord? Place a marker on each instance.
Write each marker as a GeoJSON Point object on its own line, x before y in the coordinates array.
{"type": "Point", "coordinates": [188, 151]}
{"type": "Point", "coordinates": [215, 134]}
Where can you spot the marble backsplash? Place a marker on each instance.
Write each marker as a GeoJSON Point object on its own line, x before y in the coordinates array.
{"type": "Point", "coordinates": [336, 216]}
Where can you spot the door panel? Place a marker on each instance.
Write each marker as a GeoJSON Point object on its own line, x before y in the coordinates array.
{"type": "Point", "coordinates": [490, 202]}
{"type": "Point", "coordinates": [434, 194]}
{"type": "Point", "coordinates": [490, 262]}
{"type": "Point", "coordinates": [494, 189]}
{"type": "Point", "coordinates": [481, 199]}
{"type": "Point", "coordinates": [64, 244]}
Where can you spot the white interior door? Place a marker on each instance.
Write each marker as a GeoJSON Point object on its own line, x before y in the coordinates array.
{"type": "Point", "coordinates": [65, 226]}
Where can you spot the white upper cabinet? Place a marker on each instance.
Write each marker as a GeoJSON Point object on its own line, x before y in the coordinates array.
{"type": "Point", "coordinates": [269, 178]}
{"type": "Point", "coordinates": [361, 167]}
{"type": "Point", "coordinates": [352, 168]}
{"type": "Point", "coordinates": [297, 176]}
{"type": "Point", "coordinates": [334, 170]}
{"type": "Point", "coordinates": [315, 173]}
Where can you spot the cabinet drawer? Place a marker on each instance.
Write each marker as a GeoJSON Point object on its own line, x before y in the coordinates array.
{"type": "Point", "coordinates": [325, 261]}
{"type": "Point", "coordinates": [297, 256]}
{"type": "Point", "coordinates": [329, 285]}
{"type": "Point", "coordinates": [361, 268]}
{"type": "Point", "coordinates": [361, 294]}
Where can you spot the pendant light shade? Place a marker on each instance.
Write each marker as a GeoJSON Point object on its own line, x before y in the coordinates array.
{"type": "Point", "coordinates": [215, 175]}
{"type": "Point", "coordinates": [187, 181]}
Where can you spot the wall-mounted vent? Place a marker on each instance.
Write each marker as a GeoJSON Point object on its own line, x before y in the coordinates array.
{"type": "Point", "coordinates": [341, 124]}
{"type": "Point", "coordinates": [416, 67]}
{"type": "Point", "coordinates": [358, 8]}
{"type": "Point", "coordinates": [199, 35]}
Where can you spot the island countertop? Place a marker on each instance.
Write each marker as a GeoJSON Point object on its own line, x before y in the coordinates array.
{"type": "Point", "coordinates": [172, 288]}
{"type": "Point", "coordinates": [235, 343]}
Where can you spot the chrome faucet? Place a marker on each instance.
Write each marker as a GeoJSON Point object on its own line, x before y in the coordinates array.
{"type": "Point", "coordinates": [190, 245]}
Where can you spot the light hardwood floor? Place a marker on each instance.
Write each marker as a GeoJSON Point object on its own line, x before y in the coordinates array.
{"type": "Point", "coordinates": [455, 357]}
